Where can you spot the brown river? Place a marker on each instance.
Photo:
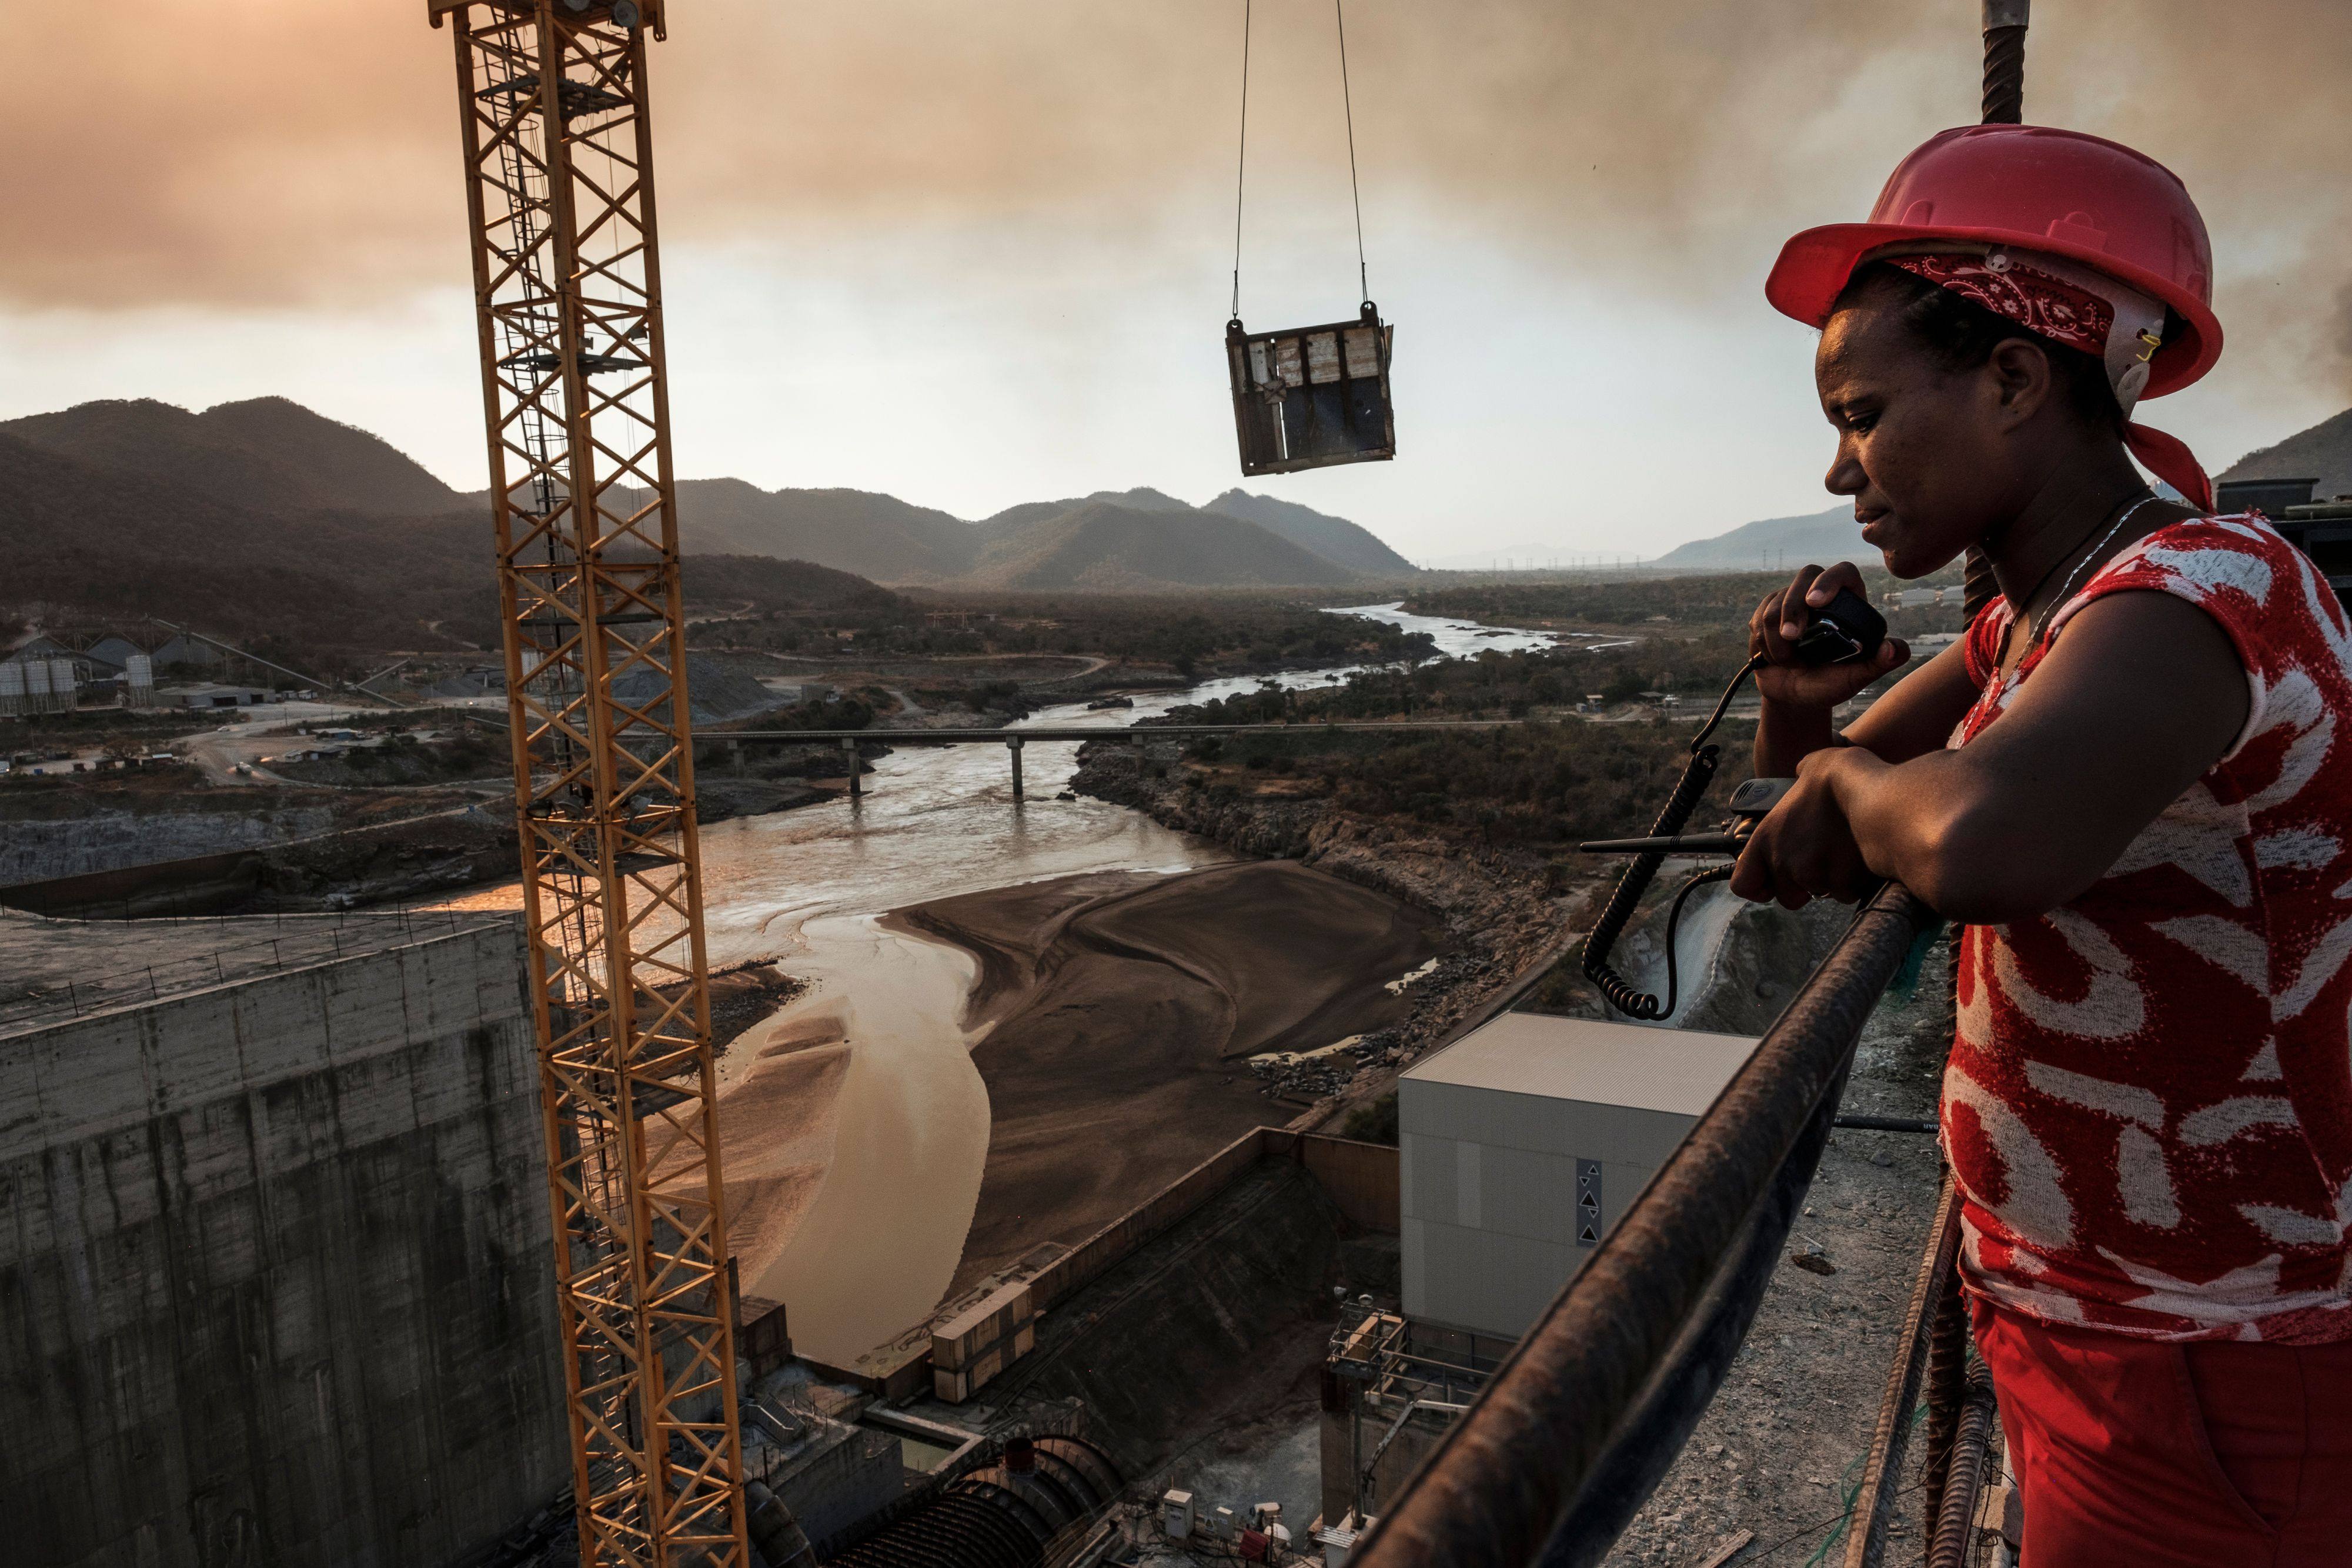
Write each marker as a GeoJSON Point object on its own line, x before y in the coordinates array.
{"type": "Point", "coordinates": [878, 1243]}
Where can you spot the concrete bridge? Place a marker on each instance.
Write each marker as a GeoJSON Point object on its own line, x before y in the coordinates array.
{"type": "Point", "coordinates": [1013, 739]}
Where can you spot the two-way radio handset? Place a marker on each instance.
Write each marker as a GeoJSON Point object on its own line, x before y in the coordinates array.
{"type": "Point", "coordinates": [1844, 631]}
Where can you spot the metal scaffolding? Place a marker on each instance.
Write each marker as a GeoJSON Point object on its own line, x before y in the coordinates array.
{"type": "Point", "coordinates": [560, 195]}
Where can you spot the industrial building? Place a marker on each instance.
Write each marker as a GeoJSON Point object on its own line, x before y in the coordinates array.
{"type": "Point", "coordinates": [2322, 529]}
{"type": "Point", "coordinates": [105, 653]}
{"type": "Point", "coordinates": [31, 683]}
{"type": "Point", "coordinates": [53, 671]}
{"type": "Point", "coordinates": [208, 694]}
{"type": "Point", "coordinates": [1520, 1146]}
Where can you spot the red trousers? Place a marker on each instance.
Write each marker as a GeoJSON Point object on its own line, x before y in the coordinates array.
{"type": "Point", "coordinates": [2148, 1455]}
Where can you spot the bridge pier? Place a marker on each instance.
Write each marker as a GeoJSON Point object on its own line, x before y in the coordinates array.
{"type": "Point", "coordinates": [1012, 744]}
{"type": "Point", "coordinates": [849, 752]}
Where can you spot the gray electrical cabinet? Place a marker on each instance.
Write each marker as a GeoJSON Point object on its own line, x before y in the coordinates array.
{"type": "Point", "coordinates": [1524, 1142]}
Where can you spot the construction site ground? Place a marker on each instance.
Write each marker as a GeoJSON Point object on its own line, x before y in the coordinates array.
{"type": "Point", "coordinates": [1779, 1453]}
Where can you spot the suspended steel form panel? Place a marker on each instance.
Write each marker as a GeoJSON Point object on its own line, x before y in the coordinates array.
{"type": "Point", "coordinates": [1309, 397]}
{"type": "Point", "coordinates": [560, 190]}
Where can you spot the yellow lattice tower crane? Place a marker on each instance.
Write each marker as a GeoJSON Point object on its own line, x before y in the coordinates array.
{"type": "Point", "coordinates": [560, 196]}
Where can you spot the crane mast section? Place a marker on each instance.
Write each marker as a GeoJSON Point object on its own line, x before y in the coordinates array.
{"type": "Point", "coordinates": [559, 162]}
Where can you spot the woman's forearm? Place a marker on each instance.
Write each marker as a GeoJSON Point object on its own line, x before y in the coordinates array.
{"type": "Point", "coordinates": [1787, 735]}
{"type": "Point", "coordinates": [1937, 826]}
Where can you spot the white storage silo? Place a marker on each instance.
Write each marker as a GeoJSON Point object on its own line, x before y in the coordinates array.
{"type": "Point", "coordinates": [65, 690]}
{"type": "Point", "coordinates": [138, 680]}
{"type": "Point", "coordinates": [36, 687]}
{"type": "Point", "coordinates": [12, 688]}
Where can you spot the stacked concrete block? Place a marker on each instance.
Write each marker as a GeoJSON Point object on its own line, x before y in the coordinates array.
{"type": "Point", "coordinates": [977, 1343]}
{"type": "Point", "coordinates": [275, 1283]}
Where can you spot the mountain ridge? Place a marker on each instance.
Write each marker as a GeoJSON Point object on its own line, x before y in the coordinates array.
{"type": "Point", "coordinates": [1106, 547]}
{"type": "Point", "coordinates": [1819, 537]}
{"type": "Point", "coordinates": [1334, 539]}
{"type": "Point", "coordinates": [273, 456]}
{"type": "Point", "coordinates": [121, 546]}
{"type": "Point", "coordinates": [245, 454]}
{"type": "Point", "coordinates": [2322, 452]}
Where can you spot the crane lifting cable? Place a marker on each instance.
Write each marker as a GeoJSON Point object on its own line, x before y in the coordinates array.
{"type": "Point", "coordinates": [1308, 397]}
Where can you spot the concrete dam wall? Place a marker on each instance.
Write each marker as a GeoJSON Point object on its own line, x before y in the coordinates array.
{"type": "Point", "coordinates": [276, 1285]}
{"type": "Point", "coordinates": [1197, 1317]}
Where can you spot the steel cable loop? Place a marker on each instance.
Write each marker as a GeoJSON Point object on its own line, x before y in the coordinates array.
{"type": "Point", "coordinates": [1241, 165]}
{"type": "Point", "coordinates": [1354, 191]}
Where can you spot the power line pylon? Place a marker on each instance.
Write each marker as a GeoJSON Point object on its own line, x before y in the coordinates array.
{"type": "Point", "coordinates": [560, 196]}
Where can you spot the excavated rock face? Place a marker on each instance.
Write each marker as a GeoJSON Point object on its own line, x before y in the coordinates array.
{"type": "Point", "coordinates": [112, 839]}
{"type": "Point", "coordinates": [1205, 1326]}
{"type": "Point", "coordinates": [1765, 952]}
{"type": "Point", "coordinates": [407, 859]}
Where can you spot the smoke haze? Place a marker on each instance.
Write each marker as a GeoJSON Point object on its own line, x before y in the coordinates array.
{"type": "Point", "coordinates": [272, 155]}
{"type": "Point", "coordinates": [266, 149]}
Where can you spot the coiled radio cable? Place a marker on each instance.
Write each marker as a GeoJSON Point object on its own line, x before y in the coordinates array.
{"type": "Point", "coordinates": [1698, 773]}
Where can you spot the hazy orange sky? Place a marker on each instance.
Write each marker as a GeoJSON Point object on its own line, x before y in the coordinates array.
{"type": "Point", "coordinates": [974, 254]}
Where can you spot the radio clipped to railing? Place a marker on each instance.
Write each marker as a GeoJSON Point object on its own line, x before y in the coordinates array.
{"type": "Point", "coordinates": [1749, 805]}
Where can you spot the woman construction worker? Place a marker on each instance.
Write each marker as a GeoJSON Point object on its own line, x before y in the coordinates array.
{"type": "Point", "coordinates": [2132, 781]}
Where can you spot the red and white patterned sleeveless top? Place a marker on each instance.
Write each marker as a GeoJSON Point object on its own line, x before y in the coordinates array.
{"type": "Point", "coordinates": [2148, 1104]}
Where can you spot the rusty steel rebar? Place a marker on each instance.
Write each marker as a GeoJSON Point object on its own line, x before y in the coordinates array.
{"type": "Point", "coordinates": [2003, 103]}
{"type": "Point", "coordinates": [1585, 1386]}
{"type": "Point", "coordinates": [1956, 1512]}
{"type": "Point", "coordinates": [2004, 60]}
{"type": "Point", "coordinates": [1874, 1508]}
{"type": "Point", "coordinates": [1948, 1391]}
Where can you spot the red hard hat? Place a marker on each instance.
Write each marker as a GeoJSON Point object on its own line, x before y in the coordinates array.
{"type": "Point", "coordinates": [2032, 187]}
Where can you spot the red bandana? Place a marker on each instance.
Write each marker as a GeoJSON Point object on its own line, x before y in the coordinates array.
{"type": "Point", "coordinates": [2068, 314]}
{"type": "Point", "coordinates": [2048, 307]}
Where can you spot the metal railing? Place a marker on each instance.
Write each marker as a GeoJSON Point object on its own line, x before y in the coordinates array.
{"type": "Point", "coordinates": [1577, 1425]}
